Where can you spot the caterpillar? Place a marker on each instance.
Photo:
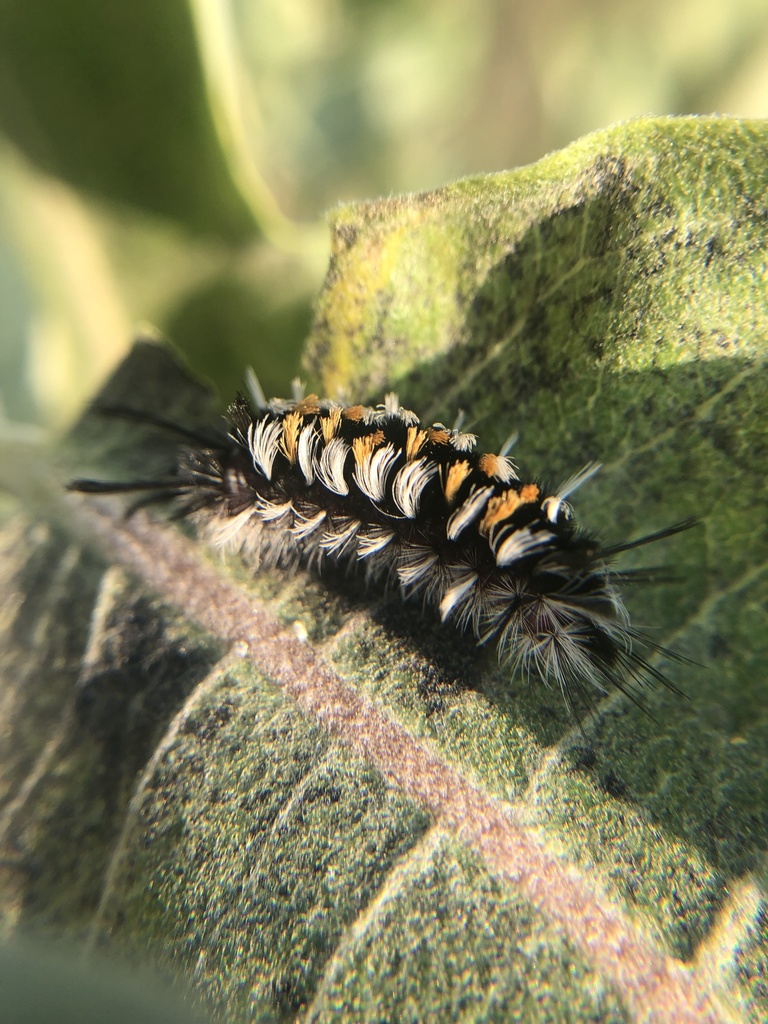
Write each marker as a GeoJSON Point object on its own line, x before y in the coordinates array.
{"type": "Point", "coordinates": [309, 481]}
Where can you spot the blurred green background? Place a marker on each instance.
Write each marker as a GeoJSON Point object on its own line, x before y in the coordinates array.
{"type": "Point", "coordinates": [170, 163]}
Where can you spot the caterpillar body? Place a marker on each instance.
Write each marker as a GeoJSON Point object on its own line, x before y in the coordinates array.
{"type": "Point", "coordinates": [310, 480]}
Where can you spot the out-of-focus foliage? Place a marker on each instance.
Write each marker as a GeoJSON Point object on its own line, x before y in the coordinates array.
{"type": "Point", "coordinates": [172, 163]}
{"type": "Point", "coordinates": [41, 984]}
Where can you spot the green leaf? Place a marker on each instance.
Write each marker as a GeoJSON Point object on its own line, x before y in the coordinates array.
{"type": "Point", "coordinates": [114, 100]}
{"type": "Point", "coordinates": [234, 321]}
{"type": "Point", "coordinates": [40, 985]}
{"type": "Point", "coordinates": [379, 822]}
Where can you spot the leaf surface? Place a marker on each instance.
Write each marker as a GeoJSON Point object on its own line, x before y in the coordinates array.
{"type": "Point", "coordinates": [378, 822]}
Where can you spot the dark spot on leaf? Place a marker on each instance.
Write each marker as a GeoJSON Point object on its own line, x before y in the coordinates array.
{"type": "Point", "coordinates": [345, 235]}
{"type": "Point", "coordinates": [611, 784]}
{"type": "Point", "coordinates": [288, 997]}
{"type": "Point", "coordinates": [711, 248]}
{"type": "Point", "coordinates": [582, 758]}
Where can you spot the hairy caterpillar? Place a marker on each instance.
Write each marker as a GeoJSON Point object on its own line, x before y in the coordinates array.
{"type": "Point", "coordinates": [308, 480]}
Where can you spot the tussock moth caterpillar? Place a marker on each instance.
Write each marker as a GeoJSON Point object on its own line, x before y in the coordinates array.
{"type": "Point", "coordinates": [308, 480]}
